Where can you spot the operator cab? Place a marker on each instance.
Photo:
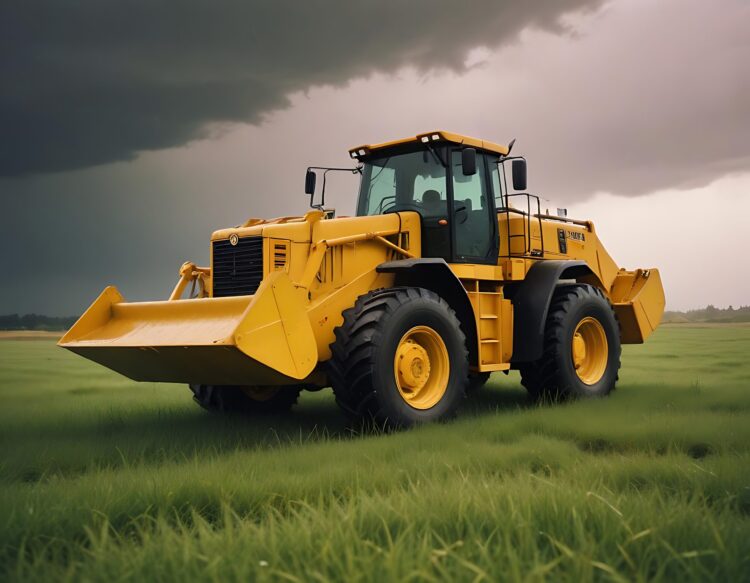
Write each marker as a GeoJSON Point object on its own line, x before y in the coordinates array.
{"type": "Point", "coordinates": [451, 181]}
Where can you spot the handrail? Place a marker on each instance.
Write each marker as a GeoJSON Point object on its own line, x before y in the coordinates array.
{"type": "Point", "coordinates": [526, 228]}
{"type": "Point", "coordinates": [565, 220]}
{"type": "Point", "coordinates": [511, 210]}
{"type": "Point", "coordinates": [546, 217]}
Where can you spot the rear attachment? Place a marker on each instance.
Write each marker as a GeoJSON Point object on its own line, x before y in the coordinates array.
{"type": "Point", "coordinates": [638, 299]}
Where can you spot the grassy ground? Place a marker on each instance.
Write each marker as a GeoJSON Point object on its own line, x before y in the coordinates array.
{"type": "Point", "coordinates": [105, 479]}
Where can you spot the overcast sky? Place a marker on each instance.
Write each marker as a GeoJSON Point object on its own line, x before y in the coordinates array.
{"type": "Point", "coordinates": [130, 131]}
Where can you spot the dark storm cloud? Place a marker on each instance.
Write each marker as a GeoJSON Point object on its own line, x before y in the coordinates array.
{"type": "Point", "coordinates": [90, 82]}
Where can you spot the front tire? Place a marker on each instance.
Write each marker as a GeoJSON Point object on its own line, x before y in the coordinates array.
{"type": "Point", "coordinates": [246, 400]}
{"type": "Point", "coordinates": [581, 355]}
{"type": "Point", "coordinates": [399, 358]}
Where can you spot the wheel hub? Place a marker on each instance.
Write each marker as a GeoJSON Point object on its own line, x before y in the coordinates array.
{"type": "Point", "coordinates": [579, 350]}
{"type": "Point", "coordinates": [413, 366]}
{"type": "Point", "coordinates": [589, 350]}
{"type": "Point", "coordinates": [421, 367]}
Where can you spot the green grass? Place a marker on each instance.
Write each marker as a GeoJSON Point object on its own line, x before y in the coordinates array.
{"type": "Point", "coordinates": [105, 479]}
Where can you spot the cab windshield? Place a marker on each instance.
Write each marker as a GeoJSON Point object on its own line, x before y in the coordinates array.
{"type": "Point", "coordinates": [409, 181]}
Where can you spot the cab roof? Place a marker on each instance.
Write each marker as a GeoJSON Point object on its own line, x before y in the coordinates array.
{"type": "Point", "coordinates": [435, 136]}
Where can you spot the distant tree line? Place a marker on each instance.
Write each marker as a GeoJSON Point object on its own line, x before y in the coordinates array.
{"type": "Point", "coordinates": [710, 314]}
{"type": "Point", "coordinates": [36, 322]}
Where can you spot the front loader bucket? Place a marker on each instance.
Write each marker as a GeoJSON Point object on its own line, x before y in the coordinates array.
{"type": "Point", "coordinates": [264, 339]}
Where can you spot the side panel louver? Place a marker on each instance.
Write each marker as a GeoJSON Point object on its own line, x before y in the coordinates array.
{"type": "Point", "coordinates": [279, 255]}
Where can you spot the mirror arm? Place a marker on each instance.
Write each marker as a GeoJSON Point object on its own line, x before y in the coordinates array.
{"type": "Point", "coordinates": [354, 170]}
{"type": "Point", "coordinates": [326, 170]}
{"type": "Point", "coordinates": [312, 203]}
{"type": "Point", "coordinates": [323, 191]}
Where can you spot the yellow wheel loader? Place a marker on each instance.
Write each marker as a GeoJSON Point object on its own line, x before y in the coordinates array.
{"type": "Point", "coordinates": [445, 275]}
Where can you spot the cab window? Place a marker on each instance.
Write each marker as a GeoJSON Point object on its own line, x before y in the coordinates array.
{"type": "Point", "coordinates": [411, 181]}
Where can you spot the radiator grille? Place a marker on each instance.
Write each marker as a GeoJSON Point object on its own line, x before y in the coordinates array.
{"type": "Point", "coordinates": [237, 269]}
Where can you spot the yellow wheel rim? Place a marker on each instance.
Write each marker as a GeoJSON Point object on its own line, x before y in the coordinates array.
{"type": "Point", "coordinates": [590, 350]}
{"type": "Point", "coordinates": [421, 367]}
{"type": "Point", "coordinates": [260, 393]}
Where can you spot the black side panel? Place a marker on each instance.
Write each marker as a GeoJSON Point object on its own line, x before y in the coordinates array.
{"type": "Point", "coordinates": [436, 238]}
{"type": "Point", "coordinates": [531, 299]}
{"type": "Point", "coordinates": [433, 273]}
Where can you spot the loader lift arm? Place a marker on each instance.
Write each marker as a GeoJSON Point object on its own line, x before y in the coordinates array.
{"type": "Point", "coordinates": [191, 273]}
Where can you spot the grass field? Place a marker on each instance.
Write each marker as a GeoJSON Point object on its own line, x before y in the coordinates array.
{"type": "Point", "coordinates": [105, 479]}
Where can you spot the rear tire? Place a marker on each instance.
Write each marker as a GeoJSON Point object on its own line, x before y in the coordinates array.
{"type": "Point", "coordinates": [399, 358]}
{"type": "Point", "coordinates": [581, 355]}
{"type": "Point", "coordinates": [246, 400]}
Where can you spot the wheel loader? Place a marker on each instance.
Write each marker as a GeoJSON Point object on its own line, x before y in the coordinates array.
{"type": "Point", "coordinates": [445, 274]}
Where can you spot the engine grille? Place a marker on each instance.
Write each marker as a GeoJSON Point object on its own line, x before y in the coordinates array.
{"type": "Point", "coordinates": [237, 269]}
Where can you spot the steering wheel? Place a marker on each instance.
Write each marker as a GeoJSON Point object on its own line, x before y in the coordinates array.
{"type": "Point", "coordinates": [457, 210]}
{"type": "Point", "coordinates": [387, 201]}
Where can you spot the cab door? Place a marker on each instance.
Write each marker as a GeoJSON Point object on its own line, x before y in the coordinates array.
{"type": "Point", "coordinates": [473, 219]}
{"type": "Point", "coordinates": [430, 191]}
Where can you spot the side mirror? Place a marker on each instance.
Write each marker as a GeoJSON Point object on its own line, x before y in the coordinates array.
{"type": "Point", "coordinates": [469, 161]}
{"type": "Point", "coordinates": [519, 174]}
{"type": "Point", "coordinates": [310, 182]}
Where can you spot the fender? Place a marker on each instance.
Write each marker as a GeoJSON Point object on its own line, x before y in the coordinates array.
{"type": "Point", "coordinates": [434, 274]}
{"type": "Point", "coordinates": [531, 299]}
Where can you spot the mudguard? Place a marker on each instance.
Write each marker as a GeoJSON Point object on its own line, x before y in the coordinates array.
{"type": "Point", "coordinates": [531, 299]}
{"type": "Point", "coordinates": [434, 274]}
